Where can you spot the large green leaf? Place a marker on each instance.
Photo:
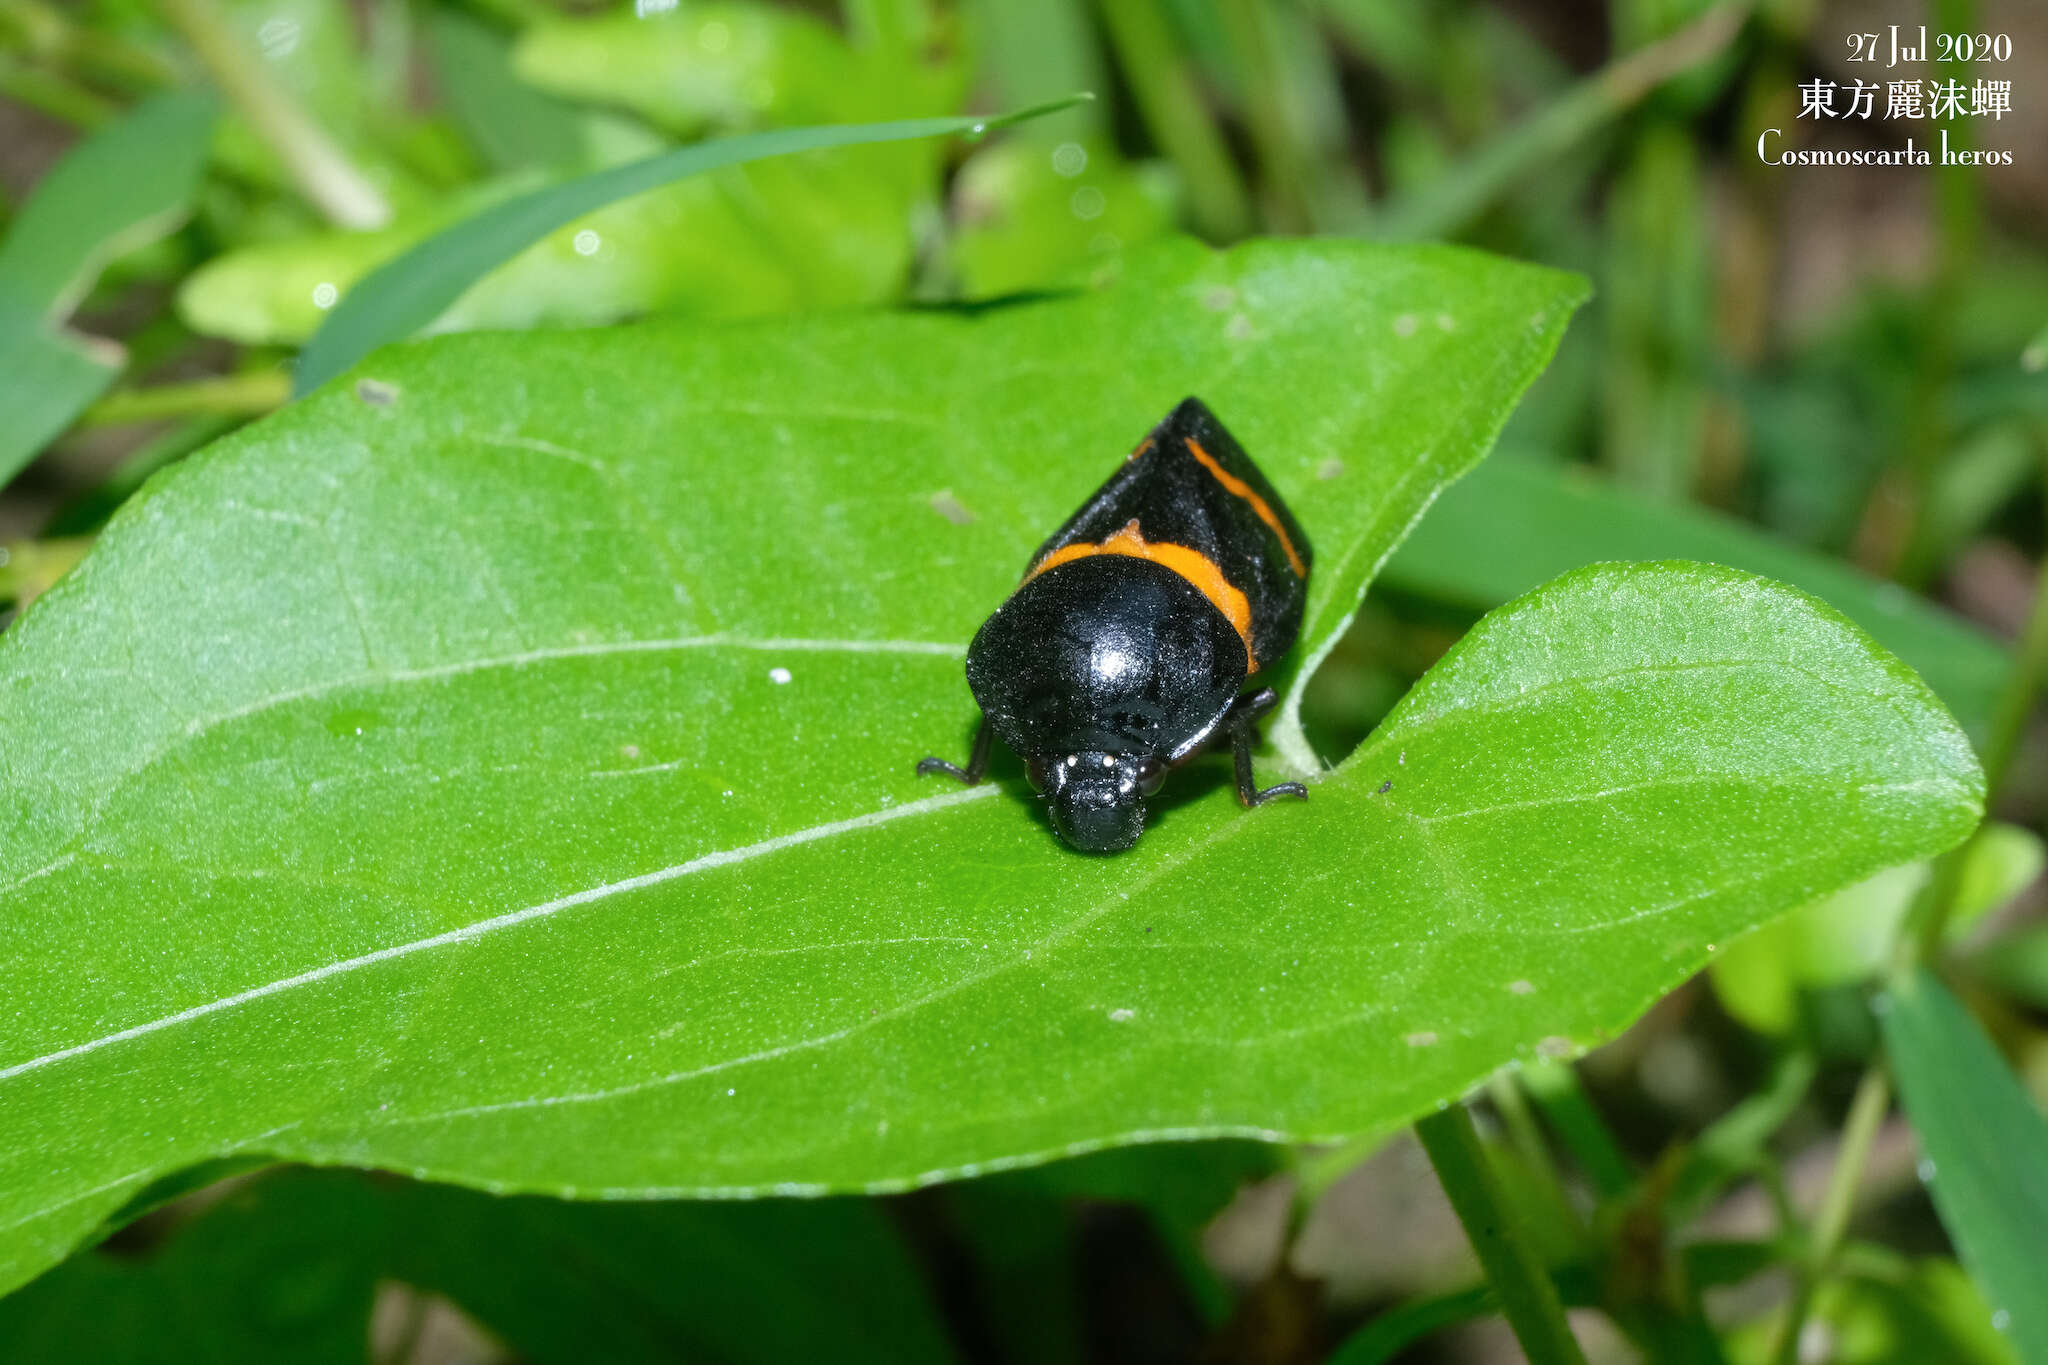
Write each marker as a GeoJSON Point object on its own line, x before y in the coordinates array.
{"type": "Point", "coordinates": [498, 767]}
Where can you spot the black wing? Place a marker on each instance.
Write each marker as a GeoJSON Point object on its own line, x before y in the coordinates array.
{"type": "Point", "coordinates": [1190, 483]}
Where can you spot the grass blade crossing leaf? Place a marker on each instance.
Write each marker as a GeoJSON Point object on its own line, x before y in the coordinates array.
{"type": "Point", "coordinates": [399, 298]}
{"type": "Point", "coordinates": [499, 768]}
{"type": "Point", "coordinates": [1988, 1145]}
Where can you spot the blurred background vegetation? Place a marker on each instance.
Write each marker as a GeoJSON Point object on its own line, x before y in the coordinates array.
{"type": "Point", "coordinates": [1829, 375]}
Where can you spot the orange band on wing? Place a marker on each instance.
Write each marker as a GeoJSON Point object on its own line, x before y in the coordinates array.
{"type": "Point", "coordinates": [1233, 484]}
{"type": "Point", "coordinates": [1196, 567]}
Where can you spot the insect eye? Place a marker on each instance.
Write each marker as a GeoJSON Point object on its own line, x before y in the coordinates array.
{"type": "Point", "coordinates": [1151, 773]}
{"type": "Point", "coordinates": [1034, 773]}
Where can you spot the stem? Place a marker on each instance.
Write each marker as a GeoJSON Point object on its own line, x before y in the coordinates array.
{"type": "Point", "coordinates": [1283, 165]}
{"type": "Point", "coordinates": [46, 92]}
{"type": "Point", "coordinates": [1930, 429]}
{"type": "Point", "coordinates": [327, 178]}
{"type": "Point", "coordinates": [1528, 1299]}
{"type": "Point", "coordinates": [234, 395]}
{"type": "Point", "coordinates": [1394, 1331]}
{"type": "Point", "coordinates": [1579, 1126]}
{"type": "Point", "coordinates": [1533, 146]}
{"type": "Point", "coordinates": [1928, 920]}
{"type": "Point", "coordinates": [1172, 107]}
{"type": "Point", "coordinates": [1737, 1143]}
{"type": "Point", "coordinates": [1520, 1124]}
{"type": "Point", "coordinates": [1866, 1113]}
{"type": "Point", "coordinates": [29, 567]}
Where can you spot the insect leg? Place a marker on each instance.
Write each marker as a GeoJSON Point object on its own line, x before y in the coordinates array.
{"type": "Point", "coordinates": [977, 760]}
{"type": "Point", "coordinates": [1244, 712]}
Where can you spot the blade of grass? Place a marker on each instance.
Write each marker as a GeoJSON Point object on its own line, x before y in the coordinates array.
{"type": "Point", "coordinates": [1859, 1131]}
{"type": "Point", "coordinates": [1737, 1142]}
{"type": "Point", "coordinates": [1987, 1146]}
{"type": "Point", "coordinates": [1555, 1088]}
{"type": "Point", "coordinates": [1163, 84]}
{"type": "Point", "coordinates": [327, 178]}
{"type": "Point", "coordinates": [403, 295]}
{"type": "Point", "coordinates": [1513, 523]}
{"type": "Point", "coordinates": [1031, 48]}
{"type": "Point", "coordinates": [1394, 1331]}
{"type": "Point", "coordinates": [1534, 144]}
{"type": "Point", "coordinates": [1528, 1299]}
{"type": "Point", "coordinates": [46, 92]}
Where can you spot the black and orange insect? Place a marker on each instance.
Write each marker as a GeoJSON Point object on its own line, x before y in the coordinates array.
{"type": "Point", "coordinates": [1127, 646]}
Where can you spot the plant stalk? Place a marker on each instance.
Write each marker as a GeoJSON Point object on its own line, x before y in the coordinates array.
{"type": "Point", "coordinates": [1866, 1113]}
{"type": "Point", "coordinates": [329, 181]}
{"type": "Point", "coordinates": [1164, 87]}
{"type": "Point", "coordinates": [49, 93]}
{"type": "Point", "coordinates": [1928, 919]}
{"type": "Point", "coordinates": [1528, 1298]}
{"type": "Point", "coordinates": [234, 395]}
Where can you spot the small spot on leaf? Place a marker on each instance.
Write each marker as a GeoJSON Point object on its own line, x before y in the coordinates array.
{"type": "Point", "coordinates": [353, 721]}
{"type": "Point", "coordinates": [1424, 1038]}
{"type": "Point", "coordinates": [1330, 469]}
{"type": "Point", "coordinates": [951, 508]}
{"type": "Point", "coordinates": [376, 392]}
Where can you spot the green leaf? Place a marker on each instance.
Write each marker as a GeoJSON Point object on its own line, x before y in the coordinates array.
{"type": "Point", "coordinates": [1516, 523]}
{"type": "Point", "coordinates": [408, 293]}
{"type": "Point", "coordinates": [806, 232]}
{"type": "Point", "coordinates": [1986, 1151]}
{"type": "Point", "coordinates": [47, 377]}
{"type": "Point", "coordinates": [120, 189]}
{"type": "Point", "coordinates": [1031, 213]}
{"type": "Point", "coordinates": [284, 1268]}
{"type": "Point", "coordinates": [702, 67]}
{"type": "Point", "coordinates": [1911, 1313]}
{"type": "Point", "coordinates": [498, 768]}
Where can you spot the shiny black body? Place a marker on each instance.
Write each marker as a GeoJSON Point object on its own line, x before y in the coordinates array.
{"type": "Point", "coordinates": [1127, 652]}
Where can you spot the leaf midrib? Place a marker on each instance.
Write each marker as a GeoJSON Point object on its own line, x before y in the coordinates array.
{"type": "Point", "coordinates": [511, 918]}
